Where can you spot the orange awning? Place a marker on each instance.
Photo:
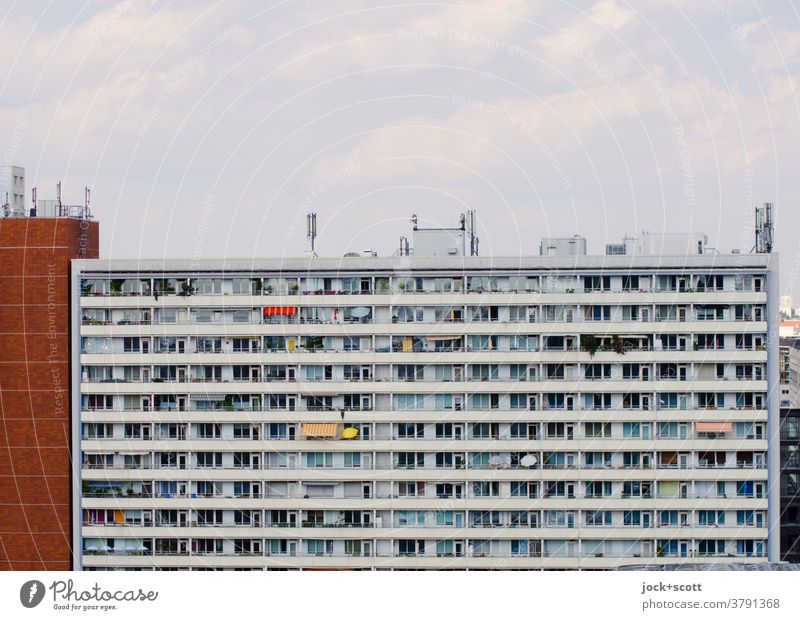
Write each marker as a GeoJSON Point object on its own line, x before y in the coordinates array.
{"type": "Point", "coordinates": [314, 429]}
{"type": "Point", "coordinates": [714, 427]}
{"type": "Point", "coordinates": [280, 310]}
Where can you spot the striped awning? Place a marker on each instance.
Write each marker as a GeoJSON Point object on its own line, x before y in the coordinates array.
{"type": "Point", "coordinates": [280, 310]}
{"type": "Point", "coordinates": [214, 398]}
{"type": "Point", "coordinates": [314, 429]}
{"type": "Point", "coordinates": [714, 427]}
{"type": "Point", "coordinates": [320, 483]}
{"type": "Point", "coordinates": [443, 337]}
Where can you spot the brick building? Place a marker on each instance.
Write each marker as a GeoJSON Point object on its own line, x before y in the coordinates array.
{"type": "Point", "coordinates": [35, 254]}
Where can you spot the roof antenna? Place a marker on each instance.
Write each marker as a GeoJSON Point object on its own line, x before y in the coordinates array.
{"type": "Point", "coordinates": [470, 229]}
{"type": "Point", "coordinates": [764, 228]}
{"type": "Point", "coordinates": [311, 232]}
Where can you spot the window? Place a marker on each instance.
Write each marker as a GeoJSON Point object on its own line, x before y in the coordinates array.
{"type": "Point", "coordinates": [631, 429]}
{"type": "Point", "coordinates": [484, 401]}
{"type": "Point", "coordinates": [410, 518]}
{"type": "Point", "coordinates": [411, 489]}
{"type": "Point", "coordinates": [711, 518]}
{"type": "Point", "coordinates": [521, 430]}
{"type": "Point", "coordinates": [409, 430]}
{"type": "Point", "coordinates": [241, 459]}
{"type": "Point", "coordinates": [410, 372]}
{"type": "Point", "coordinates": [743, 282]}
{"type": "Point", "coordinates": [410, 460]}
{"type": "Point", "coordinates": [245, 286]}
{"type": "Point", "coordinates": [409, 401]}
{"type": "Point", "coordinates": [209, 459]}
{"type": "Point", "coordinates": [598, 429]}
{"type": "Point", "coordinates": [520, 401]}
{"type": "Point", "coordinates": [520, 489]}
{"type": "Point", "coordinates": [598, 517]}
{"type": "Point", "coordinates": [483, 343]}
{"type": "Point", "coordinates": [444, 430]}
{"type": "Point", "coordinates": [319, 547]}
{"type": "Point", "coordinates": [710, 547]}
{"type": "Point", "coordinates": [485, 489]}
{"type": "Point", "coordinates": [319, 459]}
{"type": "Point", "coordinates": [352, 459]}
{"type": "Point", "coordinates": [630, 371]}
{"type": "Point", "coordinates": [410, 547]}
{"type": "Point", "coordinates": [407, 314]}
{"type": "Point", "coordinates": [167, 315]}
{"type": "Point", "coordinates": [630, 283]}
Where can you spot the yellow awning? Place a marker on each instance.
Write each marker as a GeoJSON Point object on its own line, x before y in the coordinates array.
{"type": "Point", "coordinates": [714, 427]}
{"type": "Point", "coordinates": [324, 429]}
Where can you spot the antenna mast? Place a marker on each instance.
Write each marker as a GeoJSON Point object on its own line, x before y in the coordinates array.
{"type": "Point", "coordinates": [311, 232]}
{"type": "Point", "coordinates": [764, 228]}
{"type": "Point", "coordinates": [470, 229]}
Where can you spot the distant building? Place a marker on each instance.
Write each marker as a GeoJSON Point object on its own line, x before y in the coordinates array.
{"type": "Point", "coordinates": [789, 329]}
{"type": "Point", "coordinates": [788, 391]}
{"type": "Point", "coordinates": [790, 485]}
{"type": "Point", "coordinates": [12, 191]}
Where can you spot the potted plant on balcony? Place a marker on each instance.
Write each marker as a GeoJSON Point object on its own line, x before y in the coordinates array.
{"type": "Point", "coordinates": [116, 287]}
{"type": "Point", "coordinates": [590, 343]}
{"type": "Point", "coordinates": [187, 289]}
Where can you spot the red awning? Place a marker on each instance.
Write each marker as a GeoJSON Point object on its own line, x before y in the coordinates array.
{"type": "Point", "coordinates": [280, 310]}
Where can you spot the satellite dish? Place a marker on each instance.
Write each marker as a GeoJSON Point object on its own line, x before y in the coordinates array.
{"type": "Point", "coordinates": [495, 460]}
{"type": "Point", "coordinates": [360, 312]}
{"type": "Point", "coordinates": [529, 460]}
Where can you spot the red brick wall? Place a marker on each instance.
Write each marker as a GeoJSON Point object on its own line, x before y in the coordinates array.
{"type": "Point", "coordinates": [35, 530]}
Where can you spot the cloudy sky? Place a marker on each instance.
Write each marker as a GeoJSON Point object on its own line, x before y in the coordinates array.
{"type": "Point", "coordinates": [209, 129]}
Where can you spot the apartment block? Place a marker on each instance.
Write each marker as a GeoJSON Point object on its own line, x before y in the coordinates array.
{"type": "Point", "coordinates": [409, 412]}
{"type": "Point", "coordinates": [35, 404]}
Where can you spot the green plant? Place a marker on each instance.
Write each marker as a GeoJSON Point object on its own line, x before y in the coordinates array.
{"type": "Point", "coordinates": [187, 289]}
{"type": "Point", "coordinates": [86, 288]}
{"type": "Point", "coordinates": [590, 343]}
{"type": "Point", "coordinates": [617, 345]}
{"type": "Point", "coordinates": [116, 287]}
{"type": "Point", "coordinates": [294, 288]}
{"type": "Point", "coordinates": [164, 287]}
